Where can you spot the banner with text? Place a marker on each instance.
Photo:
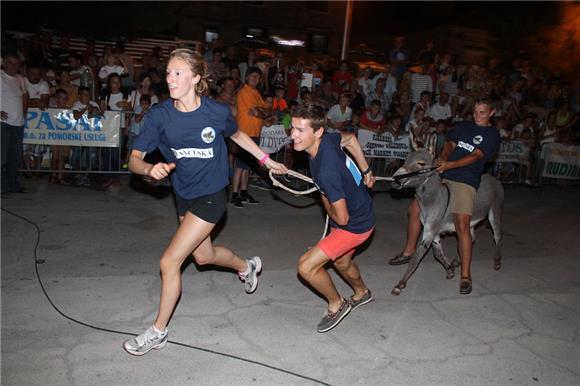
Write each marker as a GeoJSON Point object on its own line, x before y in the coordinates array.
{"type": "Point", "coordinates": [273, 138]}
{"type": "Point", "coordinates": [59, 127]}
{"type": "Point", "coordinates": [383, 145]}
{"type": "Point", "coordinates": [513, 151]}
{"type": "Point", "coordinates": [561, 161]}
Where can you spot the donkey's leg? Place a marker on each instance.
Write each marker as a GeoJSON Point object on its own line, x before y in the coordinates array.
{"type": "Point", "coordinates": [413, 264]}
{"type": "Point", "coordinates": [440, 256]}
{"type": "Point", "coordinates": [495, 223]}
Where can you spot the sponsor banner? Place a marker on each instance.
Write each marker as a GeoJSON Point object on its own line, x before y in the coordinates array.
{"type": "Point", "coordinates": [59, 127]}
{"type": "Point", "coordinates": [383, 145]}
{"type": "Point", "coordinates": [273, 138]}
{"type": "Point", "coordinates": [513, 151]}
{"type": "Point", "coordinates": [562, 161]}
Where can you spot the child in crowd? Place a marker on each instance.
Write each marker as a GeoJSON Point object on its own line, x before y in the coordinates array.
{"type": "Point", "coordinates": [60, 153]}
{"type": "Point", "coordinates": [136, 123]}
{"type": "Point", "coordinates": [279, 104]}
{"type": "Point", "coordinates": [84, 108]}
{"type": "Point", "coordinates": [373, 119]}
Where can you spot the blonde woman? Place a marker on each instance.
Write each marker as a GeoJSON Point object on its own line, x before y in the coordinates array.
{"type": "Point", "coordinates": [189, 130]}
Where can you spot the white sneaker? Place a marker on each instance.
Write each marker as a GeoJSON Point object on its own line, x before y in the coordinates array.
{"type": "Point", "coordinates": [250, 279]}
{"type": "Point", "coordinates": [145, 342]}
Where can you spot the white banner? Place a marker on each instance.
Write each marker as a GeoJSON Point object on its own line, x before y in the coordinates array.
{"type": "Point", "coordinates": [383, 145]}
{"type": "Point", "coordinates": [59, 127]}
{"type": "Point", "coordinates": [273, 138]}
{"type": "Point", "coordinates": [513, 151]}
{"type": "Point", "coordinates": [561, 161]}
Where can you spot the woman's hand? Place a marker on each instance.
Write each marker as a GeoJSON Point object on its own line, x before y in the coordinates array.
{"type": "Point", "coordinates": [160, 170]}
{"type": "Point", "coordinates": [276, 167]}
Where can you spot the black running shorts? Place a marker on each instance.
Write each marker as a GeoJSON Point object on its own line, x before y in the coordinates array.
{"type": "Point", "coordinates": [210, 208]}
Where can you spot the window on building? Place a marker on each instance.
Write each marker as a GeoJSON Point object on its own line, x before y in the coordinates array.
{"type": "Point", "coordinates": [251, 32]}
{"type": "Point", "coordinates": [318, 43]}
{"type": "Point", "coordinates": [211, 34]}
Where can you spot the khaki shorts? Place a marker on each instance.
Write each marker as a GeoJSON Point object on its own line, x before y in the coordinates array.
{"type": "Point", "coordinates": [461, 197]}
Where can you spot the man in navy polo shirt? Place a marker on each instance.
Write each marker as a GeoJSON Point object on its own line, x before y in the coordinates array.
{"type": "Point", "coordinates": [462, 161]}
{"type": "Point", "coordinates": [347, 203]}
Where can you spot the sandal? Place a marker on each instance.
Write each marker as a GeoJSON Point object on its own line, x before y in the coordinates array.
{"type": "Point", "coordinates": [400, 259]}
{"type": "Point", "coordinates": [465, 286]}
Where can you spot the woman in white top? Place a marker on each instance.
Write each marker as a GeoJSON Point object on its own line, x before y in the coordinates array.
{"type": "Point", "coordinates": [111, 67]}
{"type": "Point", "coordinates": [143, 89]}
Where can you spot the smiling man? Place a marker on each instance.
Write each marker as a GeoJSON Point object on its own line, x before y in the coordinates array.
{"type": "Point", "coordinates": [348, 205]}
{"type": "Point", "coordinates": [468, 146]}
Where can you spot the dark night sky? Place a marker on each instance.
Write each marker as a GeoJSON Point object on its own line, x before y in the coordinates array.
{"type": "Point", "coordinates": [368, 17]}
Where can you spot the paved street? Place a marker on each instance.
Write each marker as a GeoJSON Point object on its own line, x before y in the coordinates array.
{"type": "Point", "coordinates": [520, 326]}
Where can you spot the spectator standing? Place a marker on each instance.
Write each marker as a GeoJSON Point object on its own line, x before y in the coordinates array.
{"type": "Point", "coordinates": [420, 82]}
{"type": "Point", "coordinates": [341, 79]}
{"type": "Point", "coordinates": [38, 97]}
{"type": "Point", "coordinates": [379, 94]}
{"type": "Point", "coordinates": [399, 57]}
{"type": "Point", "coordinates": [112, 66]}
{"type": "Point", "coordinates": [365, 81]}
{"type": "Point", "coordinates": [136, 123]}
{"type": "Point", "coordinates": [249, 62]}
{"type": "Point", "coordinates": [277, 73]}
{"type": "Point", "coordinates": [251, 112]}
{"type": "Point", "coordinates": [84, 108]}
{"type": "Point", "coordinates": [390, 84]}
{"type": "Point", "coordinates": [14, 106]}
{"type": "Point", "coordinates": [62, 53]}
{"type": "Point", "coordinates": [143, 88]}
{"type": "Point", "coordinates": [114, 98]}
{"type": "Point", "coordinates": [216, 68]}
{"type": "Point", "coordinates": [60, 153]}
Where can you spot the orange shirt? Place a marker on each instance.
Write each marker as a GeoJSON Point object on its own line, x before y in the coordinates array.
{"type": "Point", "coordinates": [279, 105]}
{"type": "Point", "coordinates": [247, 99]}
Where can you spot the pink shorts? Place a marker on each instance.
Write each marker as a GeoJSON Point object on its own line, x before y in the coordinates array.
{"type": "Point", "coordinates": [340, 242]}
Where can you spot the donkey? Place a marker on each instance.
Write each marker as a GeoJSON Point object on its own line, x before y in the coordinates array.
{"type": "Point", "coordinates": [433, 199]}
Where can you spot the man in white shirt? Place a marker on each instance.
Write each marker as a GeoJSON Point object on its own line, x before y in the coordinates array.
{"type": "Point", "coordinates": [38, 95]}
{"type": "Point", "coordinates": [14, 105]}
{"type": "Point", "coordinates": [339, 115]}
{"type": "Point", "coordinates": [442, 109]}
{"type": "Point", "coordinates": [390, 84]}
{"type": "Point", "coordinates": [419, 83]}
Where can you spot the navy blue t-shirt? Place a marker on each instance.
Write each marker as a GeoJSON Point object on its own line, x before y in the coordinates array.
{"type": "Point", "coordinates": [337, 177]}
{"type": "Point", "coordinates": [468, 137]}
{"type": "Point", "coordinates": [194, 141]}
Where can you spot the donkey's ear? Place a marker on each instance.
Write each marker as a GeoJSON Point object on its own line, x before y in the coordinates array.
{"type": "Point", "coordinates": [432, 147]}
{"type": "Point", "coordinates": [413, 141]}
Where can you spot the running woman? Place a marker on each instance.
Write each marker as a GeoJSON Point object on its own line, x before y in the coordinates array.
{"type": "Point", "coordinates": [189, 130]}
{"type": "Point", "coordinates": [347, 203]}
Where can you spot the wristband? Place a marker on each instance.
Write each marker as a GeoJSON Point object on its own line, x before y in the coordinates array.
{"type": "Point", "coordinates": [367, 171]}
{"type": "Point", "coordinates": [264, 159]}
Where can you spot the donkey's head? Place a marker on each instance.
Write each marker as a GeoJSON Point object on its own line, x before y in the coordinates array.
{"type": "Point", "coordinates": [417, 161]}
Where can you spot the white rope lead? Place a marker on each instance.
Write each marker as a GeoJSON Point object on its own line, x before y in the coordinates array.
{"type": "Point", "coordinates": [309, 180]}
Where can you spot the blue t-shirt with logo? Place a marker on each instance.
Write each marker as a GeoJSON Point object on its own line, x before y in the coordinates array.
{"type": "Point", "coordinates": [337, 177]}
{"type": "Point", "coordinates": [468, 137]}
{"type": "Point", "coordinates": [194, 141]}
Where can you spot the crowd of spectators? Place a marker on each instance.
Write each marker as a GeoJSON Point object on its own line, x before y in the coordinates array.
{"type": "Point", "coordinates": [421, 93]}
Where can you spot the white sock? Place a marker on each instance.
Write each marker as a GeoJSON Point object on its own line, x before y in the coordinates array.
{"type": "Point", "coordinates": [158, 331]}
{"type": "Point", "coordinates": [248, 269]}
